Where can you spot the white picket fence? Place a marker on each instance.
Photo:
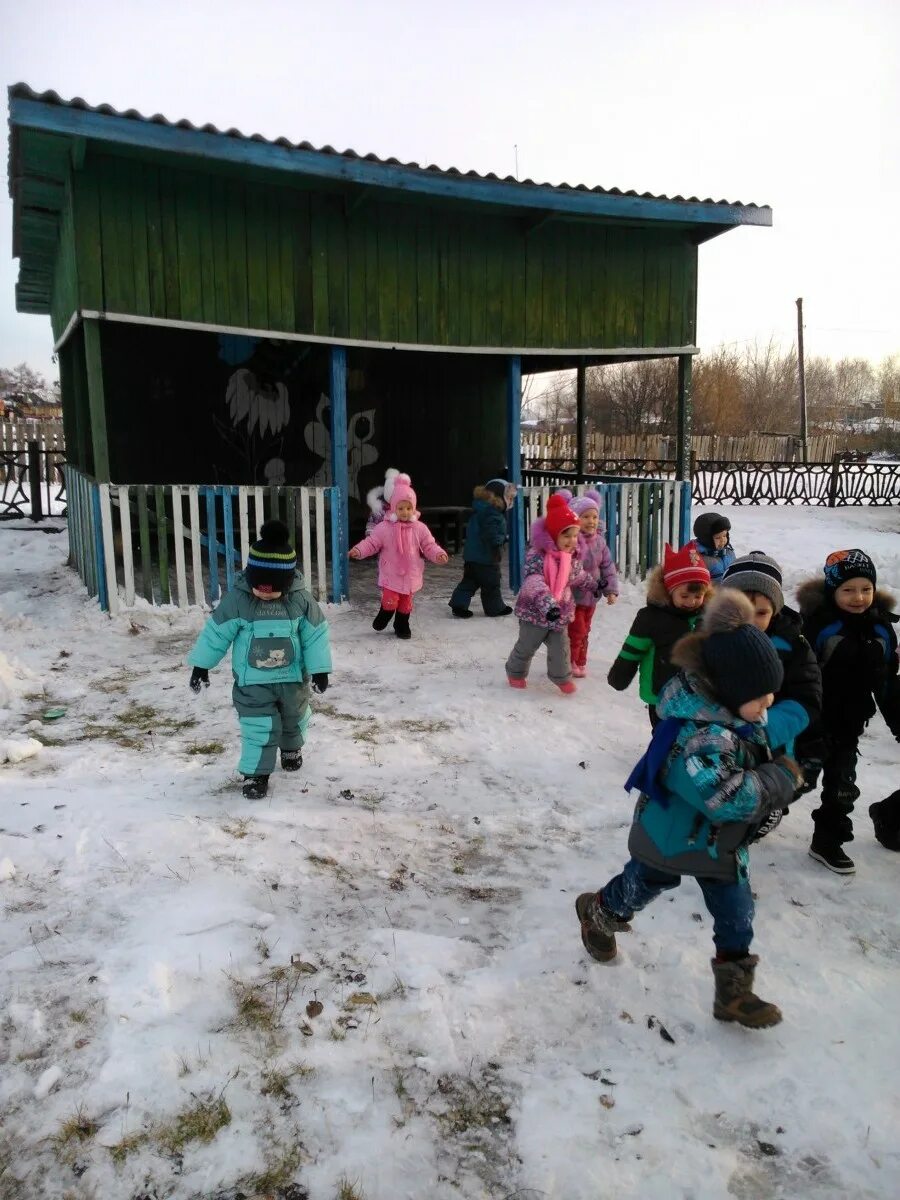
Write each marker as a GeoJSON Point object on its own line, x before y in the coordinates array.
{"type": "Point", "coordinates": [185, 543]}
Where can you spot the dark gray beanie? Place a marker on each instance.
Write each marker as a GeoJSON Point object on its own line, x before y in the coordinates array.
{"type": "Point", "coordinates": [756, 572]}
{"type": "Point", "coordinates": [740, 660]}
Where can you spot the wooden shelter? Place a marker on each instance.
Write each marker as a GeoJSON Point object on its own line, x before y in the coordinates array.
{"type": "Point", "coordinates": [240, 311]}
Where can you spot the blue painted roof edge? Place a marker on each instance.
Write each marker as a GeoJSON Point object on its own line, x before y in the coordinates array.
{"type": "Point", "coordinates": [54, 116]}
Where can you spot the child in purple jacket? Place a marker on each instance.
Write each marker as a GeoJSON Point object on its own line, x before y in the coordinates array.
{"type": "Point", "coordinates": [603, 579]}
{"type": "Point", "coordinates": [545, 604]}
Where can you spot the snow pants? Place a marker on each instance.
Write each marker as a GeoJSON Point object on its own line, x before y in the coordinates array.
{"type": "Point", "coordinates": [729, 904]}
{"type": "Point", "coordinates": [485, 576]}
{"type": "Point", "coordinates": [391, 601]}
{"type": "Point", "coordinates": [271, 717]}
{"type": "Point", "coordinates": [579, 632]}
{"type": "Point", "coordinates": [531, 638]}
{"type": "Point", "coordinates": [832, 818]}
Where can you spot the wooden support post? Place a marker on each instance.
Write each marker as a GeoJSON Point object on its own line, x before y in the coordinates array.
{"type": "Point", "coordinates": [514, 461]}
{"type": "Point", "coordinates": [96, 399]}
{"type": "Point", "coordinates": [683, 438]}
{"type": "Point", "coordinates": [580, 422]}
{"type": "Point", "coordinates": [340, 475]}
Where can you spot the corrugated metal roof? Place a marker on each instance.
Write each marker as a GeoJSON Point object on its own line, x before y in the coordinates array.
{"type": "Point", "coordinates": [24, 92]}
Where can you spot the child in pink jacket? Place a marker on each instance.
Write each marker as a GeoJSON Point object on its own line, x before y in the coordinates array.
{"type": "Point", "coordinates": [401, 541]}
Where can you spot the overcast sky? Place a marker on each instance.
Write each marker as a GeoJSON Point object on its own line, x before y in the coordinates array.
{"type": "Point", "coordinates": [786, 103]}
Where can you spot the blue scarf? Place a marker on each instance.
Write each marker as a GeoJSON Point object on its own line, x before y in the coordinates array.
{"type": "Point", "coordinates": [645, 773]}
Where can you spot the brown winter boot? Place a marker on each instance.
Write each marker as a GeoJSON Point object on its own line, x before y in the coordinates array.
{"type": "Point", "coordinates": [735, 1000]}
{"type": "Point", "coordinates": [598, 926]}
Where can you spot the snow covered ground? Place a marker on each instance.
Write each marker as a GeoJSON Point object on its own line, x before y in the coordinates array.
{"type": "Point", "coordinates": [372, 984]}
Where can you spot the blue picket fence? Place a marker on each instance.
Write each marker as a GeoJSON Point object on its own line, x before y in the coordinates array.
{"type": "Point", "coordinates": [641, 516]}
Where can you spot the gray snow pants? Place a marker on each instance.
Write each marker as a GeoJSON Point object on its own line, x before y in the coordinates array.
{"type": "Point", "coordinates": [531, 637]}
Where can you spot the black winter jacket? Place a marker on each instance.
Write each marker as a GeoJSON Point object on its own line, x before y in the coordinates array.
{"type": "Point", "coordinates": [858, 658]}
{"type": "Point", "coordinates": [802, 678]}
{"type": "Point", "coordinates": [648, 647]}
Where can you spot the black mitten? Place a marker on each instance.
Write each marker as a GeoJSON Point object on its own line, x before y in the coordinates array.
{"type": "Point", "coordinates": [552, 614]}
{"type": "Point", "coordinates": [199, 677]}
{"type": "Point", "coordinates": [320, 682]}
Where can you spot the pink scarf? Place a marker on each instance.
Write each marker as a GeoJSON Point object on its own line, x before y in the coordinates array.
{"type": "Point", "coordinates": [557, 569]}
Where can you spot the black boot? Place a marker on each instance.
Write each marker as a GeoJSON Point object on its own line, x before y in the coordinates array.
{"type": "Point", "coordinates": [886, 819]}
{"type": "Point", "coordinates": [459, 611]}
{"type": "Point", "coordinates": [256, 787]}
{"type": "Point", "coordinates": [735, 1000]}
{"type": "Point", "coordinates": [401, 626]}
{"type": "Point", "coordinates": [383, 619]}
{"type": "Point", "coordinates": [501, 612]}
{"type": "Point", "coordinates": [598, 926]}
{"type": "Point", "coordinates": [829, 852]}
{"type": "Point", "coordinates": [291, 760]}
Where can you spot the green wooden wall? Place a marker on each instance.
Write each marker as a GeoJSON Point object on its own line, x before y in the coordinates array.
{"type": "Point", "coordinates": [188, 245]}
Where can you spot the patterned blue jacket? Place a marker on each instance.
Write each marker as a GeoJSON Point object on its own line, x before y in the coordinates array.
{"type": "Point", "coordinates": [716, 786]}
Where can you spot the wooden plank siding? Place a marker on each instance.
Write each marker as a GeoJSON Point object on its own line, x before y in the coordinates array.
{"type": "Point", "coordinates": [178, 244]}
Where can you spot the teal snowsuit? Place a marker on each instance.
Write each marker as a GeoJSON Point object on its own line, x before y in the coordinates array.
{"type": "Point", "coordinates": [276, 645]}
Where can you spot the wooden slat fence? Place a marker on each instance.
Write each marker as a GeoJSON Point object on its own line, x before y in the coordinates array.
{"type": "Point", "coordinates": [15, 437]}
{"type": "Point", "coordinates": [562, 447]}
{"type": "Point", "coordinates": [640, 517]}
{"type": "Point", "coordinates": [184, 544]}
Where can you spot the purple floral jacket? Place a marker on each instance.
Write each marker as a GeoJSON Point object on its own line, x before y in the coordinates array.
{"type": "Point", "coordinates": [598, 564]}
{"type": "Point", "coordinates": [535, 597]}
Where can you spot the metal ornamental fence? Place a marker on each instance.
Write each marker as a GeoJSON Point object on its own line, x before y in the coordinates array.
{"type": "Point", "coordinates": [32, 483]}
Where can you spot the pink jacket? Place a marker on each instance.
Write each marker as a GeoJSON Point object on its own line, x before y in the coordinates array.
{"type": "Point", "coordinates": [400, 546]}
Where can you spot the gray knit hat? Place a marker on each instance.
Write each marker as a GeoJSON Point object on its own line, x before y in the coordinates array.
{"type": "Point", "coordinates": [756, 572]}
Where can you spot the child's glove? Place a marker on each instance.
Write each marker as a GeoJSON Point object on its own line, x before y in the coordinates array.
{"type": "Point", "coordinates": [552, 614]}
{"type": "Point", "coordinates": [199, 676]}
{"type": "Point", "coordinates": [320, 682]}
{"type": "Point", "coordinates": [792, 768]}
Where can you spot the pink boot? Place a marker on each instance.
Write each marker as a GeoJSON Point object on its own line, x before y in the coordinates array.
{"type": "Point", "coordinates": [517, 683]}
{"type": "Point", "coordinates": [567, 688]}
{"type": "Point", "coordinates": [579, 672]}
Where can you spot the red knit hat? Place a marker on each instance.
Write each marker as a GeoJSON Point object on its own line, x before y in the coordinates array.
{"type": "Point", "coordinates": [558, 516]}
{"type": "Point", "coordinates": [683, 566]}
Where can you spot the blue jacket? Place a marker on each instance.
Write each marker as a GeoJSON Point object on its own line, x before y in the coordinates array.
{"type": "Point", "coordinates": [717, 561]}
{"type": "Point", "coordinates": [716, 785]}
{"type": "Point", "coordinates": [486, 530]}
{"type": "Point", "coordinates": [271, 641]}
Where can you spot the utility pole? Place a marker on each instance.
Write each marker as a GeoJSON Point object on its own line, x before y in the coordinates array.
{"type": "Point", "coordinates": [802, 372]}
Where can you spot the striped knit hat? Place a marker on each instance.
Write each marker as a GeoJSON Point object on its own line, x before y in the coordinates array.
{"type": "Point", "coordinates": [272, 562]}
{"type": "Point", "coordinates": [756, 572]}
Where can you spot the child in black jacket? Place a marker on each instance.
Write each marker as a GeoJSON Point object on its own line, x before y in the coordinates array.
{"type": "Point", "coordinates": [676, 594]}
{"type": "Point", "coordinates": [794, 720]}
{"type": "Point", "coordinates": [850, 626]}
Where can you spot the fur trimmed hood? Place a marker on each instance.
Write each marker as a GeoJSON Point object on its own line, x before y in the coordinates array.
{"type": "Point", "coordinates": [812, 598]}
{"type": "Point", "coordinates": [489, 497]}
{"type": "Point", "coordinates": [540, 538]}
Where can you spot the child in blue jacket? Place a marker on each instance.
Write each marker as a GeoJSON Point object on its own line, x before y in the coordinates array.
{"type": "Point", "coordinates": [707, 781]}
{"type": "Point", "coordinates": [712, 533]}
{"type": "Point", "coordinates": [486, 535]}
{"type": "Point", "coordinates": [279, 641]}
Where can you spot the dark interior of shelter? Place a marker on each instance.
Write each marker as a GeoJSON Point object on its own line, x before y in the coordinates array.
{"type": "Point", "coordinates": [196, 407]}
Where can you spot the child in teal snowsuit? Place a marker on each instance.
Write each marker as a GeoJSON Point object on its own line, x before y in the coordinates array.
{"type": "Point", "coordinates": [278, 637]}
